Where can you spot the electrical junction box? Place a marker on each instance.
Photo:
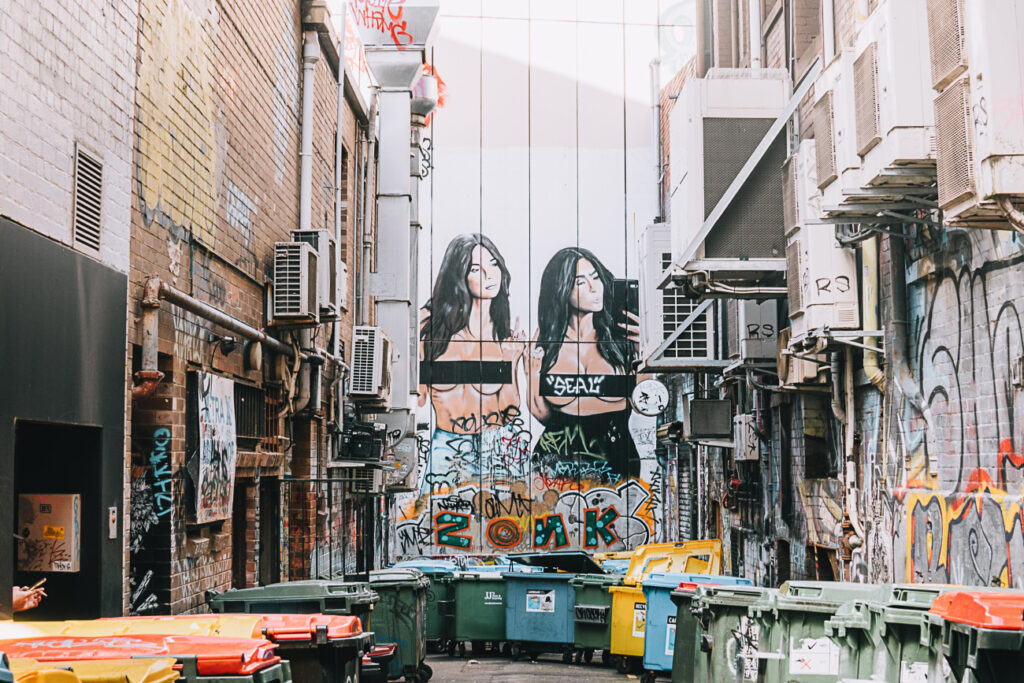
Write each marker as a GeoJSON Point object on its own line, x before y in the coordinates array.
{"type": "Point", "coordinates": [50, 526]}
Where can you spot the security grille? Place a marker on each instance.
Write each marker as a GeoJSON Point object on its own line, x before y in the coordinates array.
{"type": "Point", "coordinates": [794, 291]}
{"type": "Point", "coordinates": [790, 207]}
{"type": "Point", "coordinates": [676, 308]}
{"type": "Point", "coordinates": [954, 162]}
{"type": "Point", "coordinates": [865, 88]}
{"type": "Point", "coordinates": [946, 41]}
{"type": "Point", "coordinates": [250, 416]}
{"type": "Point", "coordinates": [824, 140]}
{"type": "Point", "coordinates": [88, 201]}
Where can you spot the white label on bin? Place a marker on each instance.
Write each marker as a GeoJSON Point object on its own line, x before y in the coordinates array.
{"type": "Point", "coordinates": [670, 637]}
{"type": "Point", "coordinates": [492, 598]}
{"type": "Point", "coordinates": [818, 656]}
{"type": "Point", "coordinates": [540, 601]}
{"type": "Point", "coordinates": [639, 619]}
{"type": "Point", "coordinates": [745, 641]}
{"type": "Point", "coordinates": [914, 672]}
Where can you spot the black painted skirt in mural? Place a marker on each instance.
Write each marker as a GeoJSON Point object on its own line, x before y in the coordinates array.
{"type": "Point", "coordinates": [587, 447]}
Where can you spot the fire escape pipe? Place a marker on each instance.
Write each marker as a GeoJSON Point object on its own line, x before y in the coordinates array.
{"type": "Point", "coordinates": [869, 310]}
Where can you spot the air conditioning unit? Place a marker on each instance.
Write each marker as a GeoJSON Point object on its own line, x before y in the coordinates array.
{"type": "Point", "coordinates": [295, 282]}
{"type": "Point", "coordinates": [715, 125]}
{"type": "Point", "coordinates": [837, 163]}
{"type": "Point", "coordinates": [753, 329]}
{"type": "Point", "coordinates": [663, 310]}
{"type": "Point", "coordinates": [746, 444]}
{"type": "Point", "coordinates": [707, 418]}
{"type": "Point", "coordinates": [328, 266]}
{"type": "Point", "coordinates": [368, 480]}
{"type": "Point", "coordinates": [342, 291]}
{"type": "Point", "coordinates": [821, 275]}
{"type": "Point", "coordinates": [404, 472]}
{"type": "Point", "coordinates": [977, 67]}
{"type": "Point", "coordinates": [795, 372]}
{"type": "Point", "coordinates": [370, 379]}
{"type": "Point", "coordinates": [895, 123]}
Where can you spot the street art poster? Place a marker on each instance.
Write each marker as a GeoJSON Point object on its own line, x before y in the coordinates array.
{"type": "Point", "coordinates": [540, 601]}
{"type": "Point", "coordinates": [529, 437]}
{"type": "Point", "coordinates": [215, 481]}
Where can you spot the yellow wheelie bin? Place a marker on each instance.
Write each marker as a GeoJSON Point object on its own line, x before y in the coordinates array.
{"type": "Point", "coordinates": [95, 671]}
{"type": "Point", "coordinates": [629, 608]}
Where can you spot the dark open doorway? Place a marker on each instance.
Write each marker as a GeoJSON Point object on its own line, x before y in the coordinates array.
{"type": "Point", "coordinates": [62, 459]}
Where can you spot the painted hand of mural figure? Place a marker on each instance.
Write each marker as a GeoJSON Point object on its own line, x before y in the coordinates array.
{"type": "Point", "coordinates": [632, 331]}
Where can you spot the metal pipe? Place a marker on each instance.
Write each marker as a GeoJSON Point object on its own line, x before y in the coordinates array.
{"type": "Point", "coordinates": [851, 464]}
{"type": "Point", "coordinates": [149, 376]}
{"type": "Point", "coordinates": [310, 56]}
{"type": "Point", "coordinates": [828, 30]}
{"type": "Point", "coordinates": [339, 161]}
{"type": "Point", "coordinates": [754, 24]}
{"type": "Point", "coordinates": [367, 245]}
{"type": "Point", "coordinates": [655, 68]}
{"type": "Point", "coordinates": [1012, 213]}
{"type": "Point", "coordinates": [869, 310]}
{"type": "Point", "coordinates": [836, 368]}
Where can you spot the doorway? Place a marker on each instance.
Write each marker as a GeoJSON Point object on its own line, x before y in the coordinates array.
{"type": "Point", "coordinates": [54, 458]}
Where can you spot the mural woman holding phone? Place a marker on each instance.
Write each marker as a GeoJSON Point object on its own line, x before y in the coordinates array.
{"type": "Point", "coordinates": [581, 377]}
{"type": "Point", "coordinates": [470, 355]}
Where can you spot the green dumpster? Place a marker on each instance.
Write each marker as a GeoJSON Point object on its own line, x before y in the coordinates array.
{"type": "Point", "coordinates": [477, 610]}
{"type": "Point", "coordinates": [438, 595]}
{"type": "Point", "coordinates": [794, 647]}
{"type": "Point", "coordinates": [979, 636]}
{"type": "Point", "coordinates": [355, 598]}
{"type": "Point", "coordinates": [728, 639]}
{"type": "Point", "coordinates": [593, 614]}
{"type": "Point", "coordinates": [882, 640]}
{"type": "Point", "coordinates": [400, 618]}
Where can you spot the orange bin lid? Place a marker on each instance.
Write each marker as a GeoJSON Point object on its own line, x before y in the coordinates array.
{"type": "Point", "coordinates": [983, 609]}
{"type": "Point", "coordinates": [294, 627]}
{"type": "Point", "coordinates": [214, 655]}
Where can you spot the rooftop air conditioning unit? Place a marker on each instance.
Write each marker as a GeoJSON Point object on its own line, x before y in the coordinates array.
{"type": "Point", "coordinates": [747, 446]}
{"type": "Point", "coordinates": [821, 275]}
{"type": "Point", "coordinates": [328, 267]}
{"type": "Point", "coordinates": [977, 68]}
{"type": "Point", "coordinates": [716, 124]}
{"type": "Point", "coordinates": [895, 123]}
{"type": "Point", "coordinates": [295, 282]}
{"type": "Point", "coordinates": [837, 162]}
{"type": "Point", "coordinates": [663, 310]}
{"type": "Point", "coordinates": [371, 365]}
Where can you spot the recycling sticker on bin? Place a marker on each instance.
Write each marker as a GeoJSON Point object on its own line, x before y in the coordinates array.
{"type": "Point", "coordinates": [540, 601]}
{"type": "Point", "coordinates": [818, 656]}
{"type": "Point", "coordinates": [639, 619]}
{"type": "Point", "coordinates": [670, 636]}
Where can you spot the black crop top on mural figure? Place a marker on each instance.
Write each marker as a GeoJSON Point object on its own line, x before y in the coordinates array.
{"type": "Point", "coordinates": [579, 386]}
{"type": "Point", "coordinates": [444, 372]}
{"type": "Point", "coordinates": [587, 447]}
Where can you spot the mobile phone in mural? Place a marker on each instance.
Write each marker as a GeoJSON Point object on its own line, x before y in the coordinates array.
{"type": "Point", "coordinates": [625, 300]}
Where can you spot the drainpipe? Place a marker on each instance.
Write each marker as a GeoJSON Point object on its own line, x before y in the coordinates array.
{"type": "Point", "coordinates": [149, 376]}
{"type": "Point", "coordinates": [851, 464]}
{"type": "Point", "coordinates": [366, 249]}
{"type": "Point", "coordinates": [869, 310]}
{"type": "Point", "coordinates": [339, 158]}
{"type": "Point", "coordinates": [659, 172]}
{"type": "Point", "coordinates": [837, 407]}
{"type": "Point", "coordinates": [754, 24]}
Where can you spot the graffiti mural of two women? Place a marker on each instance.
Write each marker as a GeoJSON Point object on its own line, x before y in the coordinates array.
{"type": "Point", "coordinates": [530, 435]}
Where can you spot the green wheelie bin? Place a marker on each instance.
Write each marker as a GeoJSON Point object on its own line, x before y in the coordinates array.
{"type": "Point", "coordinates": [353, 598]}
{"type": "Point", "coordinates": [794, 647]}
{"type": "Point", "coordinates": [978, 636]}
{"type": "Point", "coordinates": [727, 637]}
{"type": "Point", "coordinates": [592, 614]}
{"type": "Point", "coordinates": [885, 640]}
{"type": "Point", "coordinates": [438, 596]}
{"type": "Point", "coordinates": [400, 618]}
{"type": "Point", "coordinates": [478, 610]}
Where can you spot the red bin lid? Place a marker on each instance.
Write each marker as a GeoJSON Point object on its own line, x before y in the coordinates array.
{"type": "Point", "coordinates": [300, 627]}
{"type": "Point", "coordinates": [213, 655]}
{"type": "Point", "coordinates": [982, 609]}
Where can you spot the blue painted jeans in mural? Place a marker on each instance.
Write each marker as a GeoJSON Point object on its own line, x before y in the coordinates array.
{"type": "Point", "coordinates": [502, 453]}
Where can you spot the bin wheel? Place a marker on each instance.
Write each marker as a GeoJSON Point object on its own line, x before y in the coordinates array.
{"type": "Point", "coordinates": [425, 672]}
{"type": "Point", "coordinates": [533, 655]}
{"type": "Point", "coordinates": [462, 649]}
{"type": "Point", "coordinates": [578, 656]}
{"type": "Point", "coordinates": [450, 648]}
{"type": "Point", "coordinates": [648, 677]}
{"type": "Point", "coordinates": [622, 664]}
{"type": "Point", "coordinates": [516, 651]}
{"type": "Point", "coordinates": [588, 656]}
{"type": "Point", "coordinates": [606, 657]}
{"type": "Point", "coordinates": [567, 657]}
{"type": "Point", "coordinates": [506, 650]}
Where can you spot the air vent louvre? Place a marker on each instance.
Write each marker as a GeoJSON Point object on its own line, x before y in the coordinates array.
{"type": "Point", "coordinates": [676, 307]}
{"type": "Point", "coordinates": [946, 41]}
{"type": "Point", "coordinates": [825, 146]}
{"type": "Point", "coordinates": [793, 264]}
{"type": "Point", "coordinates": [88, 201]}
{"type": "Point", "coordinates": [790, 205]}
{"type": "Point", "coordinates": [364, 352]}
{"type": "Point", "coordinates": [954, 161]}
{"type": "Point", "coordinates": [865, 88]}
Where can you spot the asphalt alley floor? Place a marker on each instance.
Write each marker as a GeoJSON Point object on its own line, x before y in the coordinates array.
{"type": "Point", "coordinates": [548, 669]}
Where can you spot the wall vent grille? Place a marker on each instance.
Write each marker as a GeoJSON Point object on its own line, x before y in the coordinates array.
{"type": "Point", "coordinates": [865, 87]}
{"type": "Point", "coordinates": [824, 140]}
{"type": "Point", "coordinates": [88, 201]}
{"type": "Point", "coordinates": [954, 161]}
{"type": "Point", "coordinates": [790, 206]}
{"type": "Point", "coordinates": [796, 303]}
{"type": "Point", "coordinates": [946, 41]}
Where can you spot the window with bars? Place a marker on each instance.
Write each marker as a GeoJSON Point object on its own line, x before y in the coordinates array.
{"type": "Point", "coordinates": [250, 416]}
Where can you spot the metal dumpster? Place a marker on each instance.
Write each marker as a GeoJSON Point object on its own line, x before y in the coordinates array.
{"type": "Point", "coordinates": [728, 639]}
{"type": "Point", "coordinates": [982, 636]}
{"type": "Point", "coordinates": [592, 614]}
{"type": "Point", "coordinates": [477, 610]}
{"type": "Point", "coordinates": [438, 596]}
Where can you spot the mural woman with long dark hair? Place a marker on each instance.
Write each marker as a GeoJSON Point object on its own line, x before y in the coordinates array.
{"type": "Point", "coordinates": [470, 355]}
{"type": "Point", "coordinates": [580, 372]}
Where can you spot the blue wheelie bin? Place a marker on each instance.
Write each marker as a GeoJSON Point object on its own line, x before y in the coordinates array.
{"type": "Point", "coordinates": [540, 606]}
{"type": "Point", "coordinates": [5, 672]}
{"type": "Point", "coordinates": [662, 616]}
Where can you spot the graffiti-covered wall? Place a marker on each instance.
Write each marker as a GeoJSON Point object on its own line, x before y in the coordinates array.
{"type": "Point", "coordinates": [542, 173]}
